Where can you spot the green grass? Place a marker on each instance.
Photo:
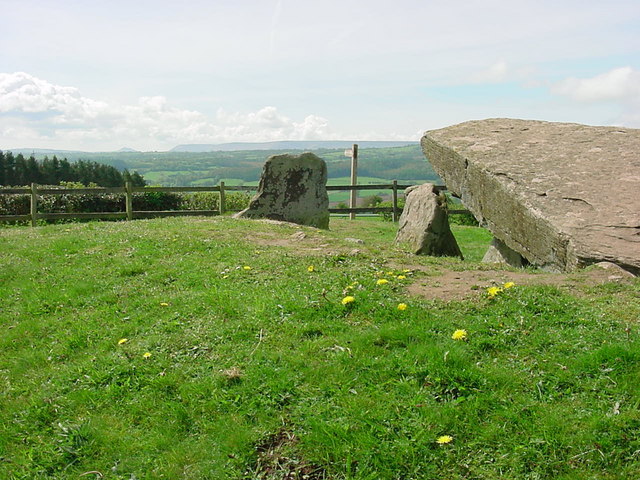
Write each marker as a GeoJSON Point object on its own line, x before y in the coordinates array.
{"type": "Point", "coordinates": [260, 372]}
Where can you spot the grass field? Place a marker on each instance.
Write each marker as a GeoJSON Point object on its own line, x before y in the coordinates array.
{"type": "Point", "coordinates": [191, 348]}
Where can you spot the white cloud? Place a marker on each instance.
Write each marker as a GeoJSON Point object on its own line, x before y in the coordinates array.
{"type": "Point", "coordinates": [618, 88]}
{"type": "Point", "coordinates": [618, 84]}
{"type": "Point", "coordinates": [496, 73]}
{"type": "Point", "coordinates": [21, 92]}
{"type": "Point", "coordinates": [37, 113]}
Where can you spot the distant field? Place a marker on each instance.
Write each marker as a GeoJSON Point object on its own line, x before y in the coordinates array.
{"type": "Point", "coordinates": [169, 177]}
{"type": "Point", "coordinates": [337, 196]}
{"type": "Point", "coordinates": [205, 182]}
{"type": "Point", "coordinates": [234, 182]}
{"type": "Point", "coordinates": [207, 168]}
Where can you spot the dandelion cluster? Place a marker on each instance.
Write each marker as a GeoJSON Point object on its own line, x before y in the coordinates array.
{"type": "Point", "coordinates": [492, 292]}
{"type": "Point", "coordinates": [402, 306]}
{"type": "Point", "coordinates": [459, 335]}
{"type": "Point", "coordinates": [348, 299]}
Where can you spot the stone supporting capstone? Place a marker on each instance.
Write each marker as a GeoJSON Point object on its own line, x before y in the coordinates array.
{"type": "Point", "coordinates": [499, 253]}
{"type": "Point", "coordinates": [424, 223]}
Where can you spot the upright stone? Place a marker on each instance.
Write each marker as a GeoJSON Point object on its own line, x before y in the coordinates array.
{"type": "Point", "coordinates": [562, 195]}
{"type": "Point", "coordinates": [424, 224]}
{"type": "Point", "coordinates": [499, 253]}
{"type": "Point", "coordinates": [293, 189]}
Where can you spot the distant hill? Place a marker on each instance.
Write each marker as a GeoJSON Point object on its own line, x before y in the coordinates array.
{"type": "Point", "coordinates": [43, 151]}
{"type": "Point", "coordinates": [128, 150]}
{"type": "Point", "coordinates": [286, 145]}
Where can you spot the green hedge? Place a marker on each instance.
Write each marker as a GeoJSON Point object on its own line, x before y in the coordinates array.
{"type": "Point", "coordinates": [19, 204]}
{"type": "Point", "coordinates": [234, 201]}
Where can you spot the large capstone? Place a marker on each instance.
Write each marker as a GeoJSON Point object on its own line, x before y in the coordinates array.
{"type": "Point", "coordinates": [292, 188]}
{"type": "Point", "coordinates": [424, 223]}
{"type": "Point", "coordinates": [561, 195]}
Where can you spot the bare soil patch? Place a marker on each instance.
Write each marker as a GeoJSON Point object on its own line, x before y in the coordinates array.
{"type": "Point", "coordinates": [460, 285]}
{"type": "Point", "coordinates": [306, 241]}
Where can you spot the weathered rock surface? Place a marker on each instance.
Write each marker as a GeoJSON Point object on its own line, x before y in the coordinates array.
{"type": "Point", "coordinates": [293, 189]}
{"type": "Point", "coordinates": [561, 195]}
{"type": "Point", "coordinates": [499, 253]}
{"type": "Point", "coordinates": [424, 223]}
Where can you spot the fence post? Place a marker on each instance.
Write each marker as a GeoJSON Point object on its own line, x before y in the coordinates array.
{"type": "Point", "coordinates": [223, 199]}
{"type": "Point", "coordinates": [395, 200]}
{"type": "Point", "coordinates": [354, 180]}
{"type": "Point", "coordinates": [34, 204]}
{"type": "Point", "coordinates": [129, 193]}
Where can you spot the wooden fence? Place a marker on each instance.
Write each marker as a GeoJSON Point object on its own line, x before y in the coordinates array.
{"type": "Point", "coordinates": [129, 214]}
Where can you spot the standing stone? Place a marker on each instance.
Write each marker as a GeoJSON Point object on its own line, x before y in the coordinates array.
{"type": "Point", "coordinates": [292, 188]}
{"type": "Point", "coordinates": [562, 195]}
{"type": "Point", "coordinates": [499, 253]}
{"type": "Point", "coordinates": [424, 223]}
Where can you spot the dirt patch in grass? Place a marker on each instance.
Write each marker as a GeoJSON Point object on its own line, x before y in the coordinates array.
{"type": "Point", "coordinates": [439, 282]}
{"type": "Point", "coordinates": [306, 241]}
{"type": "Point", "coordinates": [460, 285]}
{"type": "Point", "coordinates": [297, 241]}
{"type": "Point", "coordinates": [277, 460]}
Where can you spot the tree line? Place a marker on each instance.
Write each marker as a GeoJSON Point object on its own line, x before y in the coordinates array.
{"type": "Point", "coordinates": [18, 170]}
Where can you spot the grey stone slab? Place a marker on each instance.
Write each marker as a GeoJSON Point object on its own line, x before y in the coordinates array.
{"type": "Point", "coordinates": [562, 195]}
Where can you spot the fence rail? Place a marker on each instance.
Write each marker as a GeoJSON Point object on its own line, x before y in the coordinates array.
{"type": "Point", "coordinates": [129, 214]}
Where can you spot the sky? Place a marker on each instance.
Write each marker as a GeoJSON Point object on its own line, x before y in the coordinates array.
{"type": "Point", "coordinates": [149, 75]}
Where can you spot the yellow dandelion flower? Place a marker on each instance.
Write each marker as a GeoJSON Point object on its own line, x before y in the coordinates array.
{"type": "Point", "coordinates": [390, 273]}
{"type": "Point", "coordinates": [225, 276]}
{"type": "Point", "coordinates": [310, 268]}
{"type": "Point", "coordinates": [493, 291]}
{"type": "Point", "coordinates": [444, 439]}
{"type": "Point", "coordinates": [122, 341]}
{"type": "Point", "coordinates": [164, 304]}
{"type": "Point", "coordinates": [406, 270]}
{"type": "Point", "coordinates": [382, 281]}
{"type": "Point", "coordinates": [146, 355]}
{"type": "Point", "coordinates": [402, 306]}
{"type": "Point", "coordinates": [401, 277]}
{"type": "Point", "coordinates": [508, 285]}
{"type": "Point", "coordinates": [348, 299]}
{"type": "Point", "coordinates": [246, 267]}
{"type": "Point", "coordinates": [459, 335]}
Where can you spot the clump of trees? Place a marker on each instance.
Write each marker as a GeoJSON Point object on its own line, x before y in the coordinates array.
{"type": "Point", "coordinates": [18, 170]}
